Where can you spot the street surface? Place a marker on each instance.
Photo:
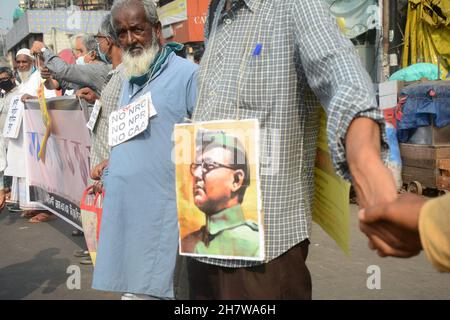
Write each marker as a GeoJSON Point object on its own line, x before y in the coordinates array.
{"type": "Point", "coordinates": [34, 259]}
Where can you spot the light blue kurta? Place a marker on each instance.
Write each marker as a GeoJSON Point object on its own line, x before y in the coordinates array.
{"type": "Point", "coordinates": [139, 231]}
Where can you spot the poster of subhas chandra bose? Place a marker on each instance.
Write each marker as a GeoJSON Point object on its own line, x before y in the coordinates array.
{"type": "Point", "coordinates": [218, 189]}
{"type": "Point", "coordinates": [57, 181]}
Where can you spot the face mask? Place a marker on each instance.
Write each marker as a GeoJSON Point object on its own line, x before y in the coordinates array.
{"type": "Point", "coordinates": [103, 56]}
{"type": "Point", "coordinates": [33, 69]}
{"type": "Point", "coordinates": [80, 61]}
{"type": "Point", "coordinates": [7, 85]}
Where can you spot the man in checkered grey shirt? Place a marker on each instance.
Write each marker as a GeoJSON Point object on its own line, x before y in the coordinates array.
{"type": "Point", "coordinates": [271, 60]}
{"type": "Point", "coordinates": [109, 51]}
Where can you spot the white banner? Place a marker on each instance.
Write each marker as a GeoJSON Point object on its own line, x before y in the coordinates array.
{"type": "Point", "coordinates": [59, 182]}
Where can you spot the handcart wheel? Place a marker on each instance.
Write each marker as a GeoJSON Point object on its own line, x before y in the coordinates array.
{"type": "Point", "coordinates": [415, 187]}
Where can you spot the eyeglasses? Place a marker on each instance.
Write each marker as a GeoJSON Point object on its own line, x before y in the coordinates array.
{"type": "Point", "coordinates": [207, 166]}
{"type": "Point", "coordinates": [99, 38]}
{"type": "Point", "coordinates": [4, 79]}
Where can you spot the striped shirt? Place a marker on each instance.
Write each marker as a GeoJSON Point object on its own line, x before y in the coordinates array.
{"type": "Point", "coordinates": [271, 60]}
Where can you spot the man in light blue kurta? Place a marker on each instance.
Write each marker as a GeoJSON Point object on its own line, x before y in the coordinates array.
{"type": "Point", "coordinates": [139, 229]}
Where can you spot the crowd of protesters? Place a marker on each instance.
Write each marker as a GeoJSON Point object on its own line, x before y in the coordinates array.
{"type": "Point", "coordinates": [296, 56]}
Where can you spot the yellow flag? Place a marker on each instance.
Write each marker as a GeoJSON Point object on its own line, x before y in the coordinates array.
{"type": "Point", "coordinates": [45, 118]}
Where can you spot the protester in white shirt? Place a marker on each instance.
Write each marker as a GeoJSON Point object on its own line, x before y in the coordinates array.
{"type": "Point", "coordinates": [9, 87]}
{"type": "Point", "coordinates": [16, 166]}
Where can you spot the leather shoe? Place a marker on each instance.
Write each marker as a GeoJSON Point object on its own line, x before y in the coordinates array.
{"type": "Point", "coordinates": [86, 261]}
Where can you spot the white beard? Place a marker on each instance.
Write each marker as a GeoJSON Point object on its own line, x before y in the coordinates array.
{"type": "Point", "coordinates": [136, 66]}
{"type": "Point", "coordinates": [24, 75]}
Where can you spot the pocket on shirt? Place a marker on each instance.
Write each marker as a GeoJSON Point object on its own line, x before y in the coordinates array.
{"type": "Point", "coordinates": [254, 89]}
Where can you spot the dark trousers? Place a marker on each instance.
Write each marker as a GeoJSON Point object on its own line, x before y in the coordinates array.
{"type": "Point", "coordinates": [286, 277]}
{"type": "Point", "coordinates": [7, 181]}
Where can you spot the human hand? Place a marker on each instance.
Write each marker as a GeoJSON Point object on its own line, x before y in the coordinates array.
{"type": "Point", "coordinates": [392, 228]}
{"type": "Point", "coordinates": [26, 97]}
{"type": "Point", "coordinates": [45, 73]}
{"type": "Point", "coordinates": [97, 171]}
{"type": "Point", "coordinates": [36, 47]}
{"type": "Point", "coordinates": [97, 187]}
{"type": "Point", "coordinates": [87, 94]}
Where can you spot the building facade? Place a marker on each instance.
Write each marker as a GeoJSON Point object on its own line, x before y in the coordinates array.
{"type": "Point", "coordinates": [54, 22]}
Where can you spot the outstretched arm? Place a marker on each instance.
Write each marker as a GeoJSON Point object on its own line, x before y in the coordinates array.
{"type": "Point", "coordinates": [355, 125]}
{"type": "Point", "coordinates": [372, 180]}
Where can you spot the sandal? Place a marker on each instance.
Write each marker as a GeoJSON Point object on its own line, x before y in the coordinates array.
{"type": "Point", "coordinates": [13, 207]}
{"type": "Point", "coordinates": [81, 253]}
{"type": "Point", "coordinates": [86, 261]}
{"type": "Point", "coordinates": [42, 217]}
{"type": "Point", "coordinates": [29, 214]}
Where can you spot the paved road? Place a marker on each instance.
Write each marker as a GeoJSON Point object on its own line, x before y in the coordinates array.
{"type": "Point", "coordinates": [336, 276]}
{"type": "Point", "coordinates": [34, 259]}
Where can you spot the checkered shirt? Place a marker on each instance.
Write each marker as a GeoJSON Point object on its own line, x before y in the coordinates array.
{"type": "Point", "coordinates": [110, 96]}
{"type": "Point", "coordinates": [303, 57]}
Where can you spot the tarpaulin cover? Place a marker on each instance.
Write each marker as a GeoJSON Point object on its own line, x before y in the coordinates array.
{"type": "Point", "coordinates": [427, 34]}
{"type": "Point", "coordinates": [426, 104]}
{"type": "Point", "coordinates": [416, 72]}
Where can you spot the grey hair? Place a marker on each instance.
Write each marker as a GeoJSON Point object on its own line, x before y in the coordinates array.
{"type": "Point", "coordinates": [149, 8]}
{"type": "Point", "coordinates": [74, 38]}
{"type": "Point", "coordinates": [107, 29]}
{"type": "Point", "coordinates": [89, 42]}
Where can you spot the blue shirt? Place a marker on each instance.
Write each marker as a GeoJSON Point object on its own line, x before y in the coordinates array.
{"type": "Point", "coordinates": [139, 229]}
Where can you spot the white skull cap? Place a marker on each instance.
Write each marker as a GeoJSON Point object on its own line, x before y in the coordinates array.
{"type": "Point", "coordinates": [26, 52]}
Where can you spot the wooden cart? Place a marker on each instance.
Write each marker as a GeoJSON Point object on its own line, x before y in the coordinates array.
{"type": "Point", "coordinates": [425, 166]}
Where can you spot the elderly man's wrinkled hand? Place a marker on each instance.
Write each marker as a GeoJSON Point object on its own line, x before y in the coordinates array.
{"type": "Point", "coordinates": [87, 94]}
{"type": "Point", "coordinates": [36, 47]}
{"type": "Point", "coordinates": [97, 171]}
{"type": "Point", "coordinates": [45, 73]}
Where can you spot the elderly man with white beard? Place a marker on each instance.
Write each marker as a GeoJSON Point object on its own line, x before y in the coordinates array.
{"type": "Point", "coordinates": [16, 167]}
{"type": "Point", "coordinates": [139, 229]}
{"type": "Point", "coordinates": [25, 65]}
